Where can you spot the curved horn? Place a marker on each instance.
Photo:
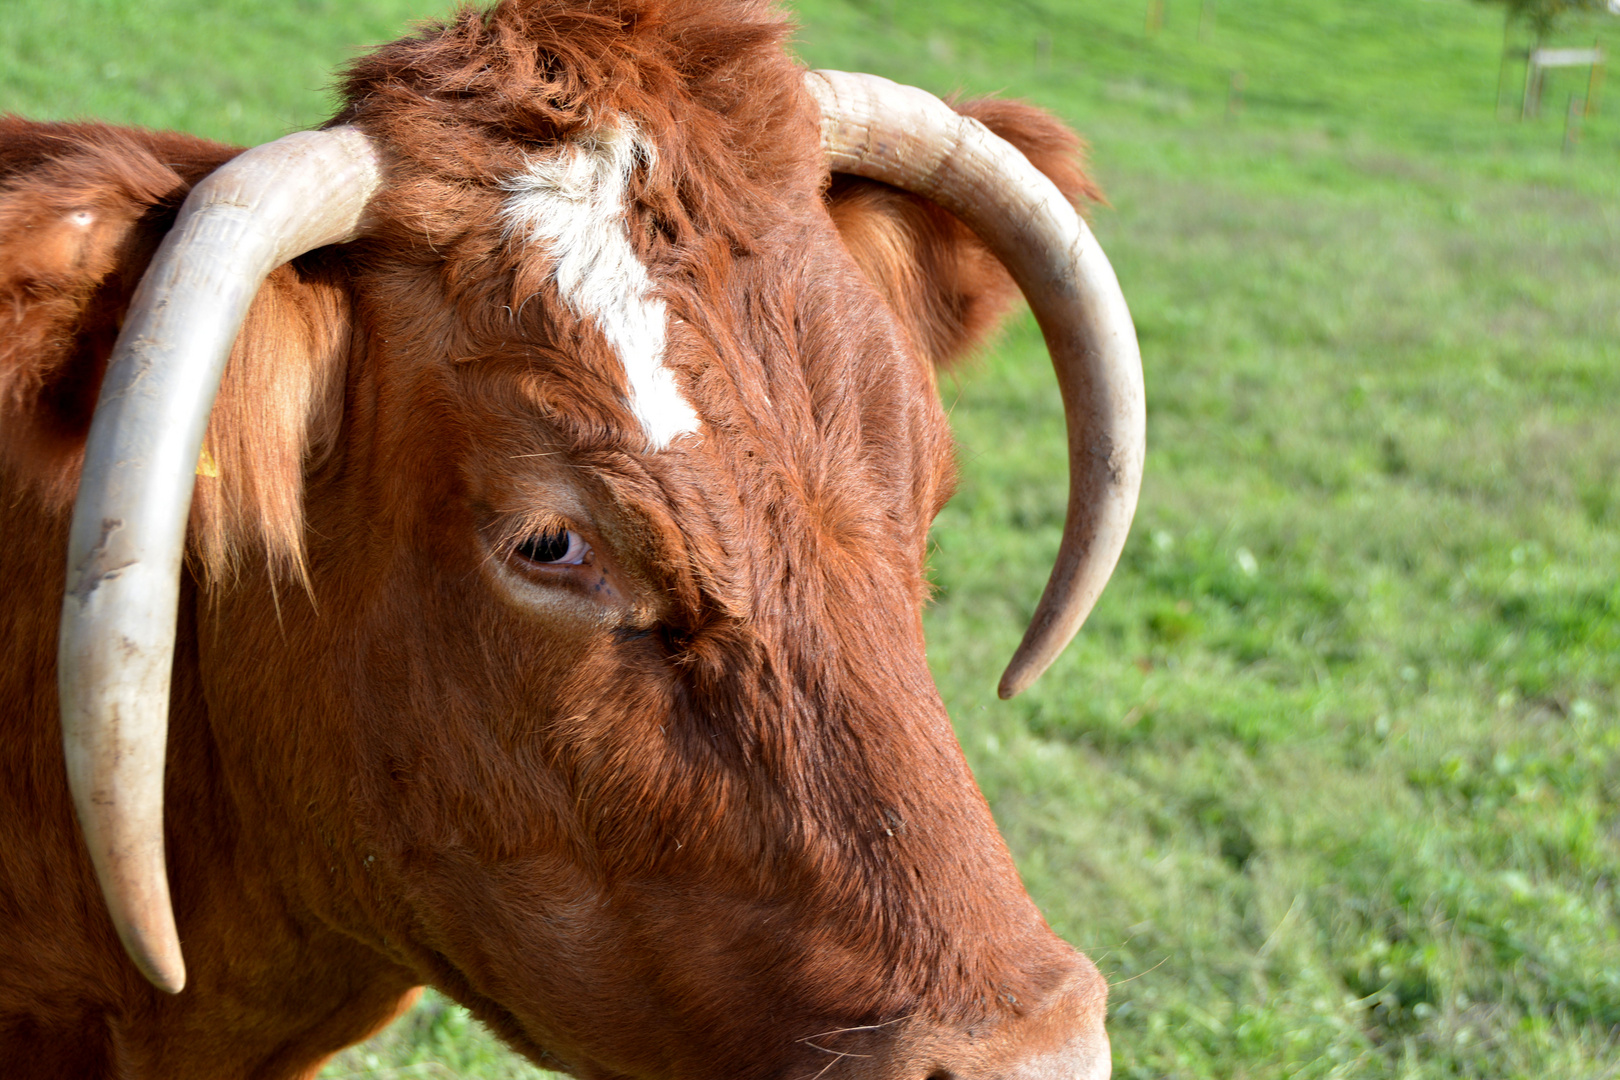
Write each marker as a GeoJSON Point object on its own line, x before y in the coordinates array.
{"type": "Point", "coordinates": [904, 136]}
{"type": "Point", "coordinates": [115, 652]}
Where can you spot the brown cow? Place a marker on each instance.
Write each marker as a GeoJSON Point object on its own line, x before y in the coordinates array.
{"type": "Point", "coordinates": [548, 623]}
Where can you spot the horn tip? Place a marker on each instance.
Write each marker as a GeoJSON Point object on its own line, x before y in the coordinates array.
{"type": "Point", "coordinates": [1034, 655]}
{"type": "Point", "coordinates": [168, 974]}
{"type": "Point", "coordinates": [155, 951]}
{"type": "Point", "coordinates": [1014, 681]}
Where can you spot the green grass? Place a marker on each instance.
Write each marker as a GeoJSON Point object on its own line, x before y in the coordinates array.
{"type": "Point", "coordinates": [1330, 783]}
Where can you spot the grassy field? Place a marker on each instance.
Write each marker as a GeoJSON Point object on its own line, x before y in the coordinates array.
{"type": "Point", "coordinates": [1330, 784]}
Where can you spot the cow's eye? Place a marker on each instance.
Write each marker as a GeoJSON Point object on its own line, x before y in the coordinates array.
{"type": "Point", "coordinates": [554, 547]}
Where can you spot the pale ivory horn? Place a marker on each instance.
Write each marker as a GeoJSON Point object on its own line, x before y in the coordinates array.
{"type": "Point", "coordinates": [906, 137]}
{"type": "Point", "coordinates": [271, 204]}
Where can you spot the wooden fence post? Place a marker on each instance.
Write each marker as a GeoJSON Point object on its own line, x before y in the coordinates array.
{"type": "Point", "coordinates": [1594, 81]}
{"type": "Point", "coordinates": [1501, 67]}
{"type": "Point", "coordinates": [1528, 106]}
{"type": "Point", "coordinates": [1234, 95]}
{"type": "Point", "coordinates": [1572, 124]}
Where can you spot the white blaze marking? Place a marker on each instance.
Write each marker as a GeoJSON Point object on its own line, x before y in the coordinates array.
{"type": "Point", "coordinates": [574, 204]}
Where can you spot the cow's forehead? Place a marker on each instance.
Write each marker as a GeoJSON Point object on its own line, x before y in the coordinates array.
{"type": "Point", "coordinates": [801, 396]}
{"type": "Point", "coordinates": [554, 156]}
{"type": "Point", "coordinates": [572, 205]}
{"type": "Point", "coordinates": [735, 323]}
{"type": "Point", "coordinates": [647, 245]}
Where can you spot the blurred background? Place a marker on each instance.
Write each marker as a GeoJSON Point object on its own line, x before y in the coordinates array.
{"type": "Point", "coordinates": [1329, 786]}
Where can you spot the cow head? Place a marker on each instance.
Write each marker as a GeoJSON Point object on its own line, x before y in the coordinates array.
{"type": "Point", "coordinates": [590, 444]}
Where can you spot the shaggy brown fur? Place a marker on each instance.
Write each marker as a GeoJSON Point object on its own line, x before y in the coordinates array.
{"type": "Point", "coordinates": [671, 816]}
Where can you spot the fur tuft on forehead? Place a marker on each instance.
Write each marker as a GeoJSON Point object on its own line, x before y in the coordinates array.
{"type": "Point", "coordinates": [560, 170]}
{"type": "Point", "coordinates": [469, 102]}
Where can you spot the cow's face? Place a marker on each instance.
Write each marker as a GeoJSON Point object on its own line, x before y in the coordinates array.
{"type": "Point", "coordinates": [605, 707]}
{"type": "Point", "coordinates": [642, 757]}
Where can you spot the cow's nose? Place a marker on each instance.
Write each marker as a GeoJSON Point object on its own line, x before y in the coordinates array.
{"type": "Point", "coordinates": [1060, 1037]}
{"type": "Point", "coordinates": [1071, 1043]}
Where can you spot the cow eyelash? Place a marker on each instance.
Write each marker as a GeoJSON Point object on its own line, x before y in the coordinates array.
{"type": "Point", "coordinates": [553, 546]}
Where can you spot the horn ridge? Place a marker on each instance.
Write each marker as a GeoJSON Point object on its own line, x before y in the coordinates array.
{"type": "Point", "coordinates": [909, 138]}
{"type": "Point", "coordinates": [127, 538]}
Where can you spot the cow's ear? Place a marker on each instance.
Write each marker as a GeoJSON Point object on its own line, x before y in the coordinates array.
{"type": "Point", "coordinates": [82, 209]}
{"type": "Point", "coordinates": [276, 417]}
{"type": "Point", "coordinates": [945, 286]}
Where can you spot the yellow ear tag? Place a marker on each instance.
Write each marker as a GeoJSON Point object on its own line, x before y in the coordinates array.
{"type": "Point", "coordinates": [205, 464]}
